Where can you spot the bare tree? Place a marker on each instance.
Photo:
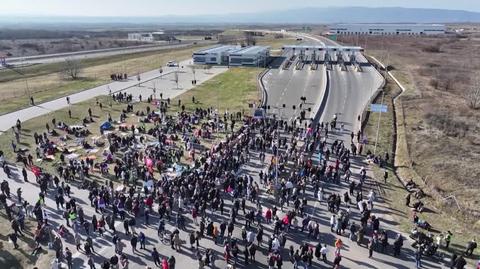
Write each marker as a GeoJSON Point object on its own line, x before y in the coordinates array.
{"type": "Point", "coordinates": [473, 94]}
{"type": "Point", "coordinates": [72, 68]}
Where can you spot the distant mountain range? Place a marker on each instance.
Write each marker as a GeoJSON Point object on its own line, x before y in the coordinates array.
{"type": "Point", "coordinates": [312, 15]}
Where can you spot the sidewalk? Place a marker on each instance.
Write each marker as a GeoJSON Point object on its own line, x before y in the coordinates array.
{"type": "Point", "coordinates": [185, 76]}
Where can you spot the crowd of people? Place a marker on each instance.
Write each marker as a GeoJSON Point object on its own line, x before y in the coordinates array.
{"type": "Point", "coordinates": [145, 185]}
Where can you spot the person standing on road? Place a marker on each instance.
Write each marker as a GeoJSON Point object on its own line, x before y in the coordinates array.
{"type": "Point", "coordinates": [418, 257]}
{"type": "Point", "coordinates": [370, 246]}
{"type": "Point", "coordinates": [156, 257]}
{"type": "Point", "coordinates": [90, 262]}
{"type": "Point", "coordinates": [171, 262]}
{"type": "Point", "coordinates": [336, 261]}
{"type": "Point", "coordinates": [142, 239]}
{"type": "Point", "coordinates": [324, 251]}
{"type": "Point", "coordinates": [68, 258]}
{"type": "Point", "coordinates": [24, 174]}
{"type": "Point", "coordinates": [133, 243]}
{"type": "Point", "coordinates": [68, 100]}
{"type": "Point", "coordinates": [13, 237]}
{"type": "Point", "coordinates": [16, 227]}
{"type": "Point", "coordinates": [397, 245]}
{"type": "Point", "coordinates": [460, 262]}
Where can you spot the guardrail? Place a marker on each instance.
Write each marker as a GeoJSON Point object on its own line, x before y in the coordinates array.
{"type": "Point", "coordinates": [323, 103]}
{"type": "Point", "coordinates": [88, 52]}
{"type": "Point", "coordinates": [261, 87]}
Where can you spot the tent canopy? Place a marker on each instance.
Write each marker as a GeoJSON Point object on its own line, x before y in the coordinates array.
{"type": "Point", "coordinates": [106, 126]}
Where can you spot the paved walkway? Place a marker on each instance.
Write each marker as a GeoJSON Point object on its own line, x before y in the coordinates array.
{"type": "Point", "coordinates": [164, 82]}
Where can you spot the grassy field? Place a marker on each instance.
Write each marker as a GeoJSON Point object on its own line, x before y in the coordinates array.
{"type": "Point", "coordinates": [277, 43]}
{"type": "Point", "coordinates": [230, 91]}
{"type": "Point", "coordinates": [46, 82]}
{"type": "Point", "coordinates": [20, 258]}
{"type": "Point", "coordinates": [441, 132]}
{"type": "Point", "coordinates": [394, 192]}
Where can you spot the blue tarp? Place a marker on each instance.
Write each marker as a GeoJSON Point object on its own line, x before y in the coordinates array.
{"type": "Point", "coordinates": [106, 126]}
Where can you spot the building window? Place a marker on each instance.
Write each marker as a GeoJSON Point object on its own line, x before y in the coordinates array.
{"type": "Point", "coordinates": [235, 60]}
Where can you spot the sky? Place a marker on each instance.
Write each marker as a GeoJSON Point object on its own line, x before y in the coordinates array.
{"type": "Point", "coordinates": [199, 7]}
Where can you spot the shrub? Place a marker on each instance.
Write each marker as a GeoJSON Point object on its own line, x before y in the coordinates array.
{"type": "Point", "coordinates": [432, 49]}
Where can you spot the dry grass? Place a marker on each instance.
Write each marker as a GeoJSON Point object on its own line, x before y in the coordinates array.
{"type": "Point", "coordinates": [51, 84]}
{"type": "Point", "coordinates": [231, 91]}
{"type": "Point", "coordinates": [437, 134]}
{"type": "Point", "coordinates": [393, 192]}
{"type": "Point", "coordinates": [442, 132]}
{"type": "Point", "coordinates": [20, 258]}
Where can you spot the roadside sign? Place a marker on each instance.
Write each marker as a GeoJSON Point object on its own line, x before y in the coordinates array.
{"type": "Point", "coordinates": [378, 108]}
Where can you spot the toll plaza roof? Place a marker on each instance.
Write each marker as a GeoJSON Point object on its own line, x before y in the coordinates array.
{"type": "Point", "coordinates": [329, 48]}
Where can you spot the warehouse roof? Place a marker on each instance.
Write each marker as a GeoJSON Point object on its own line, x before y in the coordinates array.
{"type": "Point", "coordinates": [389, 24]}
{"type": "Point", "coordinates": [218, 49]}
{"type": "Point", "coordinates": [250, 50]}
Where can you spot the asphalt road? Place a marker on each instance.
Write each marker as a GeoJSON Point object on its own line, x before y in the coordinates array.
{"type": "Point", "coordinates": [347, 94]}
{"type": "Point", "coordinates": [163, 82]}
{"type": "Point", "coordinates": [53, 58]}
{"type": "Point", "coordinates": [286, 87]}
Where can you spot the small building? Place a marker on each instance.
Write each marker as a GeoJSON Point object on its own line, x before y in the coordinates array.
{"type": "Point", "coordinates": [216, 55]}
{"type": "Point", "coordinates": [150, 36]}
{"type": "Point", "coordinates": [387, 29]}
{"type": "Point", "coordinates": [250, 56]}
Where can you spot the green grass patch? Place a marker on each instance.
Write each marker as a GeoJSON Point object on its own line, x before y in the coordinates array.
{"type": "Point", "coordinates": [230, 91]}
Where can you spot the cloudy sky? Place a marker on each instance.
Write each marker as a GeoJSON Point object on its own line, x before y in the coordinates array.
{"type": "Point", "coordinates": [198, 7]}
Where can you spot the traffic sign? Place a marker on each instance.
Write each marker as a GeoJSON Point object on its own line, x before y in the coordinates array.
{"type": "Point", "coordinates": [378, 108]}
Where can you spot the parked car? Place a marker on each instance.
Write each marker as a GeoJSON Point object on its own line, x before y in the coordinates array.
{"type": "Point", "coordinates": [172, 64]}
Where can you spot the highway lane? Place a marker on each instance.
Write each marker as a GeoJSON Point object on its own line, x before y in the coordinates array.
{"type": "Point", "coordinates": [287, 86]}
{"type": "Point", "coordinates": [58, 57]}
{"type": "Point", "coordinates": [164, 84]}
{"type": "Point", "coordinates": [348, 93]}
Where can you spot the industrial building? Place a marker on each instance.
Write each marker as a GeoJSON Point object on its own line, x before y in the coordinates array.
{"type": "Point", "coordinates": [216, 55]}
{"type": "Point", "coordinates": [233, 55]}
{"type": "Point", "coordinates": [150, 36]}
{"type": "Point", "coordinates": [252, 56]}
{"type": "Point", "coordinates": [387, 29]}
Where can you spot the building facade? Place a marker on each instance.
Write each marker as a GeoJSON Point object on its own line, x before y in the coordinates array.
{"type": "Point", "coordinates": [387, 29]}
{"type": "Point", "coordinates": [250, 56]}
{"type": "Point", "coordinates": [233, 55]}
{"type": "Point", "coordinates": [217, 55]}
